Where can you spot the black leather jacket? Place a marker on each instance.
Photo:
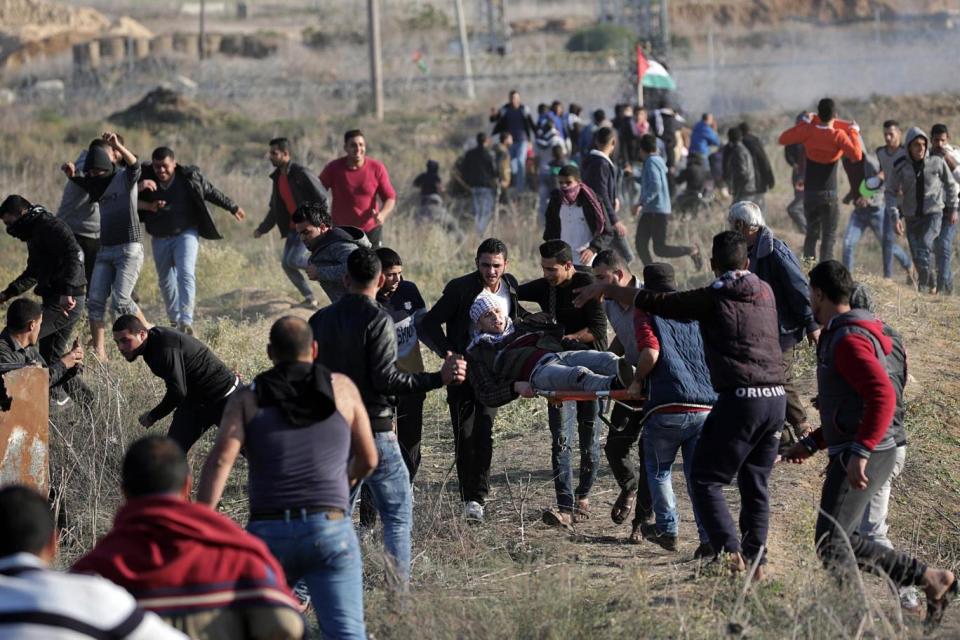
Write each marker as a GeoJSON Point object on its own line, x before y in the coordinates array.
{"type": "Point", "coordinates": [356, 337]}
{"type": "Point", "coordinates": [202, 191]}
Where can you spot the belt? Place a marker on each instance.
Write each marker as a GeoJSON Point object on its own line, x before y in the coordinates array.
{"type": "Point", "coordinates": [333, 513]}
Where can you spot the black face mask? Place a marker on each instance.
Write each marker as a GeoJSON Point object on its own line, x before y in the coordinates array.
{"type": "Point", "coordinates": [22, 227]}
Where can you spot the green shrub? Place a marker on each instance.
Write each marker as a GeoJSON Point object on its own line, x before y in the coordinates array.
{"type": "Point", "coordinates": [426, 18]}
{"type": "Point", "coordinates": [601, 37]}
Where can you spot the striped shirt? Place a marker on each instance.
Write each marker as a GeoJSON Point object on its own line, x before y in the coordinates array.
{"type": "Point", "coordinates": [39, 604]}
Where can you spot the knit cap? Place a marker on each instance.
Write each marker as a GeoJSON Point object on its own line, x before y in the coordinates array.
{"type": "Point", "coordinates": [484, 303]}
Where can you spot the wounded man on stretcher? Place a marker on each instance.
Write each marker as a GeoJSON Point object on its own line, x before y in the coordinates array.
{"type": "Point", "coordinates": [529, 357]}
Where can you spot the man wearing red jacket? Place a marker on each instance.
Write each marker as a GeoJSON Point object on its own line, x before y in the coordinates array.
{"type": "Point", "coordinates": [857, 401]}
{"type": "Point", "coordinates": [825, 141]}
{"type": "Point", "coordinates": [195, 568]}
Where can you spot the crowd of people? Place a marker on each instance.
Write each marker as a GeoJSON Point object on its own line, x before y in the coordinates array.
{"type": "Point", "coordinates": [335, 424]}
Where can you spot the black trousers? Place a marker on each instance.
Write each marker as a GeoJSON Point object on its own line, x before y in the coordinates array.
{"type": "Point", "coordinates": [410, 430]}
{"type": "Point", "coordinates": [191, 421]}
{"type": "Point", "coordinates": [653, 226]}
{"type": "Point", "coordinates": [845, 506]}
{"type": "Point", "coordinates": [57, 326]}
{"type": "Point", "coordinates": [473, 439]}
{"type": "Point", "coordinates": [90, 247]}
{"type": "Point", "coordinates": [739, 440]}
{"type": "Point", "coordinates": [629, 472]}
{"type": "Point", "coordinates": [823, 215]}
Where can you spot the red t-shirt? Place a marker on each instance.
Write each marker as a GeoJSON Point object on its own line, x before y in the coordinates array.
{"type": "Point", "coordinates": [355, 191]}
{"type": "Point", "coordinates": [286, 194]}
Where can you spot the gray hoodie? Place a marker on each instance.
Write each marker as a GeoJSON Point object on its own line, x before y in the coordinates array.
{"type": "Point", "coordinates": [76, 209]}
{"type": "Point", "coordinates": [939, 187]}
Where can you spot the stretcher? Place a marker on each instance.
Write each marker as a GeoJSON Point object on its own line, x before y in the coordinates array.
{"type": "Point", "coordinates": [619, 395]}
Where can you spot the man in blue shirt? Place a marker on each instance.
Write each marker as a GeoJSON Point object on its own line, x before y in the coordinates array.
{"type": "Point", "coordinates": [704, 136]}
{"type": "Point", "coordinates": [655, 209]}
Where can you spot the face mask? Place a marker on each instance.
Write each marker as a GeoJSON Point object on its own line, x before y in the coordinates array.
{"type": "Point", "coordinates": [570, 193]}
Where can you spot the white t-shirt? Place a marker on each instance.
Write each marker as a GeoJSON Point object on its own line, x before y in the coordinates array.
{"type": "Point", "coordinates": [574, 230]}
{"type": "Point", "coordinates": [504, 294]}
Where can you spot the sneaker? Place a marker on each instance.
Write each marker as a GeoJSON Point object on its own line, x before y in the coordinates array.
{"type": "Point", "coordinates": [909, 600]}
{"type": "Point", "coordinates": [665, 540]}
{"type": "Point", "coordinates": [310, 303]}
{"type": "Point", "coordinates": [704, 552]}
{"type": "Point", "coordinates": [59, 398]}
{"type": "Point", "coordinates": [473, 511]}
{"type": "Point", "coordinates": [187, 329]}
{"type": "Point", "coordinates": [302, 594]}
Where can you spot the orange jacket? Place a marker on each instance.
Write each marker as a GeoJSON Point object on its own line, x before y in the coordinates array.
{"type": "Point", "coordinates": [825, 144]}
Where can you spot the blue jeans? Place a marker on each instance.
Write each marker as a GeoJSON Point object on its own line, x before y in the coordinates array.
{"type": "Point", "coordinates": [870, 218]}
{"type": "Point", "coordinates": [547, 183]}
{"type": "Point", "coordinates": [575, 371]}
{"type": "Point", "coordinates": [664, 434]}
{"type": "Point", "coordinates": [325, 554]}
{"type": "Point", "coordinates": [483, 204]}
{"type": "Point", "coordinates": [294, 261]}
{"type": "Point", "coordinates": [176, 261]}
{"type": "Point", "coordinates": [922, 232]}
{"type": "Point", "coordinates": [562, 420]}
{"type": "Point", "coordinates": [943, 248]}
{"type": "Point", "coordinates": [393, 498]}
{"type": "Point", "coordinates": [115, 273]}
{"type": "Point", "coordinates": [518, 164]}
{"type": "Point", "coordinates": [891, 246]}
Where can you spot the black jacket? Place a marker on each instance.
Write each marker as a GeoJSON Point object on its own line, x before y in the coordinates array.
{"type": "Point", "coordinates": [776, 264]}
{"type": "Point", "coordinates": [305, 187]}
{"type": "Point", "coordinates": [193, 373]}
{"type": "Point", "coordinates": [201, 192]}
{"type": "Point", "coordinates": [478, 168]}
{"type": "Point", "coordinates": [356, 337]}
{"type": "Point", "coordinates": [54, 259]}
{"type": "Point", "coordinates": [13, 357]}
{"type": "Point", "coordinates": [600, 174]}
{"type": "Point", "coordinates": [761, 163]}
{"type": "Point", "coordinates": [453, 310]}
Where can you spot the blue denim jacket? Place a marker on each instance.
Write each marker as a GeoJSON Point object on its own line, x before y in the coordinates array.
{"type": "Point", "coordinates": [654, 193]}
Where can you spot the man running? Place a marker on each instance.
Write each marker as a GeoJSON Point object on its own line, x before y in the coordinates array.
{"type": "Point", "coordinates": [360, 188]}
{"type": "Point", "coordinates": [825, 140]}
{"type": "Point", "coordinates": [293, 185]}
{"type": "Point", "coordinates": [857, 404]}
{"type": "Point", "coordinates": [174, 204]}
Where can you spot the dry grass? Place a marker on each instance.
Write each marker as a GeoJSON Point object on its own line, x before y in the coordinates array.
{"type": "Point", "coordinates": [511, 577]}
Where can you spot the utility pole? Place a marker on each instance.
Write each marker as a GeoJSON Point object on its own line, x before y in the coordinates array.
{"type": "Point", "coordinates": [203, 15]}
{"type": "Point", "coordinates": [376, 63]}
{"type": "Point", "coordinates": [464, 48]}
